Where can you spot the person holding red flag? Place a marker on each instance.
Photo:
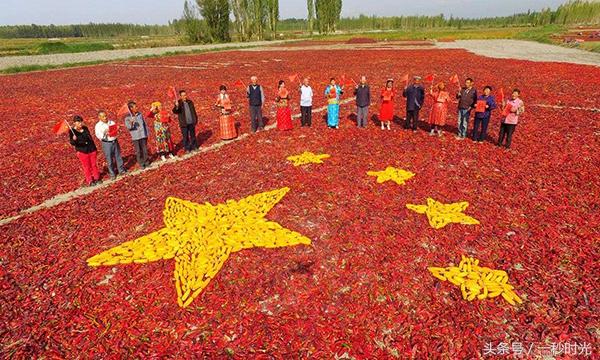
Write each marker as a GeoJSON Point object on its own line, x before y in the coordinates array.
{"type": "Point", "coordinates": [106, 132]}
{"type": "Point", "coordinates": [86, 150]}
{"type": "Point", "coordinates": [386, 113]}
{"type": "Point", "coordinates": [284, 112]}
{"type": "Point", "coordinates": [162, 130]}
{"type": "Point", "coordinates": [226, 121]}
{"type": "Point", "coordinates": [188, 119]}
{"type": "Point", "coordinates": [333, 93]}
{"type": "Point", "coordinates": [513, 108]}
{"type": "Point", "coordinates": [136, 124]}
{"type": "Point", "coordinates": [439, 109]}
{"type": "Point", "coordinates": [415, 98]}
{"type": "Point", "coordinates": [467, 98]}
{"type": "Point", "coordinates": [362, 92]}
{"type": "Point", "coordinates": [306, 101]}
{"type": "Point", "coordinates": [256, 99]}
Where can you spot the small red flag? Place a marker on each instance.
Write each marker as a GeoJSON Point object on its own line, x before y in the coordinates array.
{"type": "Point", "coordinates": [404, 78]}
{"type": "Point", "coordinates": [123, 111]}
{"type": "Point", "coordinates": [172, 93]}
{"type": "Point", "coordinates": [350, 82]}
{"type": "Point", "coordinates": [60, 127]}
{"type": "Point", "coordinates": [239, 83]}
{"type": "Point", "coordinates": [501, 95]}
{"type": "Point", "coordinates": [454, 79]}
{"type": "Point", "coordinates": [294, 78]}
{"type": "Point", "coordinates": [343, 79]}
{"type": "Point", "coordinates": [429, 78]}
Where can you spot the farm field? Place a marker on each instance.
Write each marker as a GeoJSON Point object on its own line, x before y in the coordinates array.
{"type": "Point", "coordinates": [362, 288]}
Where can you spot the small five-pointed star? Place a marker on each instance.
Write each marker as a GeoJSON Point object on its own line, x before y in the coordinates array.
{"type": "Point", "coordinates": [307, 158]}
{"type": "Point", "coordinates": [201, 237]}
{"type": "Point", "coordinates": [398, 176]}
{"type": "Point", "coordinates": [440, 215]}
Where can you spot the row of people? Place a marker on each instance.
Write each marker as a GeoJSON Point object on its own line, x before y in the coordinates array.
{"type": "Point", "coordinates": [187, 118]}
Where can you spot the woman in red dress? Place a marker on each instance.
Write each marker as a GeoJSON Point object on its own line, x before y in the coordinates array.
{"type": "Point", "coordinates": [284, 112]}
{"type": "Point", "coordinates": [386, 113]}
{"type": "Point", "coordinates": [439, 110]}
{"type": "Point", "coordinates": [226, 121]}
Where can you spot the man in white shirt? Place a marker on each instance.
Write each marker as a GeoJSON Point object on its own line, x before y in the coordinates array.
{"type": "Point", "coordinates": [306, 96]}
{"type": "Point", "coordinates": [106, 132]}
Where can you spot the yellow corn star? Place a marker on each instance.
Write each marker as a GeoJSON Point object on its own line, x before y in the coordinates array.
{"type": "Point", "coordinates": [201, 238]}
{"type": "Point", "coordinates": [307, 158]}
{"type": "Point", "coordinates": [398, 176]}
{"type": "Point", "coordinates": [440, 215]}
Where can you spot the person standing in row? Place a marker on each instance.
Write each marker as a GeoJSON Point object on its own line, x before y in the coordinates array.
{"type": "Point", "coordinates": [439, 109]}
{"type": "Point", "coordinates": [512, 110]}
{"type": "Point", "coordinates": [256, 99]}
{"type": "Point", "coordinates": [226, 121]}
{"type": "Point", "coordinates": [138, 130]}
{"type": "Point", "coordinates": [333, 93]}
{"type": "Point", "coordinates": [188, 118]}
{"type": "Point", "coordinates": [386, 113]}
{"type": "Point", "coordinates": [162, 131]}
{"type": "Point", "coordinates": [81, 139]}
{"type": "Point", "coordinates": [483, 112]}
{"type": "Point", "coordinates": [284, 112]}
{"type": "Point", "coordinates": [306, 98]}
{"type": "Point", "coordinates": [363, 101]}
{"type": "Point", "coordinates": [415, 98]}
{"type": "Point", "coordinates": [106, 132]}
{"type": "Point", "coordinates": [467, 98]}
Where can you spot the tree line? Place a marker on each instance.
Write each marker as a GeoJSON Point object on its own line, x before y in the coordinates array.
{"type": "Point", "coordinates": [84, 30]}
{"type": "Point", "coordinates": [244, 20]}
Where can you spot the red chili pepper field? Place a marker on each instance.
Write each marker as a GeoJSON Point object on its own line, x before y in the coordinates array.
{"type": "Point", "coordinates": [362, 288]}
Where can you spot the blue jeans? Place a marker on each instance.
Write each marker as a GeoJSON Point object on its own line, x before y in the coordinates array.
{"type": "Point", "coordinates": [483, 122]}
{"type": "Point", "coordinates": [463, 122]}
{"type": "Point", "coordinates": [113, 150]}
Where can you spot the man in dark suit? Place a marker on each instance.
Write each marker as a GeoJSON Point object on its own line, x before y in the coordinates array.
{"type": "Point", "coordinates": [415, 97]}
{"type": "Point", "coordinates": [186, 112]}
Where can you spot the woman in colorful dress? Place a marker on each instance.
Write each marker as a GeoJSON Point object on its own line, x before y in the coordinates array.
{"type": "Point", "coordinates": [333, 93]}
{"type": "Point", "coordinates": [226, 121]}
{"type": "Point", "coordinates": [162, 132]}
{"type": "Point", "coordinates": [386, 113]}
{"type": "Point", "coordinates": [513, 108]}
{"type": "Point", "coordinates": [439, 110]}
{"type": "Point", "coordinates": [284, 112]}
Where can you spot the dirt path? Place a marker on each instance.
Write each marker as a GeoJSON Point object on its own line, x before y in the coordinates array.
{"type": "Point", "coordinates": [109, 55]}
{"type": "Point", "coordinates": [505, 49]}
{"type": "Point", "coordinates": [524, 50]}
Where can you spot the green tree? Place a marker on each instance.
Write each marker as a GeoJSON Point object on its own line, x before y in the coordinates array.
{"type": "Point", "coordinates": [310, 4]}
{"type": "Point", "coordinates": [216, 15]}
{"type": "Point", "coordinates": [273, 15]}
{"type": "Point", "coordinates": [191, 23]}
{"type": "Point", "coordinates": [328, 15]}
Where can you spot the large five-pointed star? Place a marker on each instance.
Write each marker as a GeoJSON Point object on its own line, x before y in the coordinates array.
{"type": "Point", "coordinates": [307, 158]}
{"type": "Point", "coordinates": [398, 176]}
{"type": "Point", "coordinates": [440, 215]}
{"type": "Point", "coordinates": [201, 238]}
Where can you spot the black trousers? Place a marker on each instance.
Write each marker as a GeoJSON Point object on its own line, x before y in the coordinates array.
{"type": "Point", "coordinates": [189, 137]}
{"type": "Point", "coordinates": [412, 119]}
{"type": "Point", "coordinates": [306, 119]}
{"type": "Point", "coordinates": [506, 130]}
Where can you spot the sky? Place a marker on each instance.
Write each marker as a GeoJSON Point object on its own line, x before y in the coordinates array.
{"type": "Point", "coordinates": [161, 11]}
